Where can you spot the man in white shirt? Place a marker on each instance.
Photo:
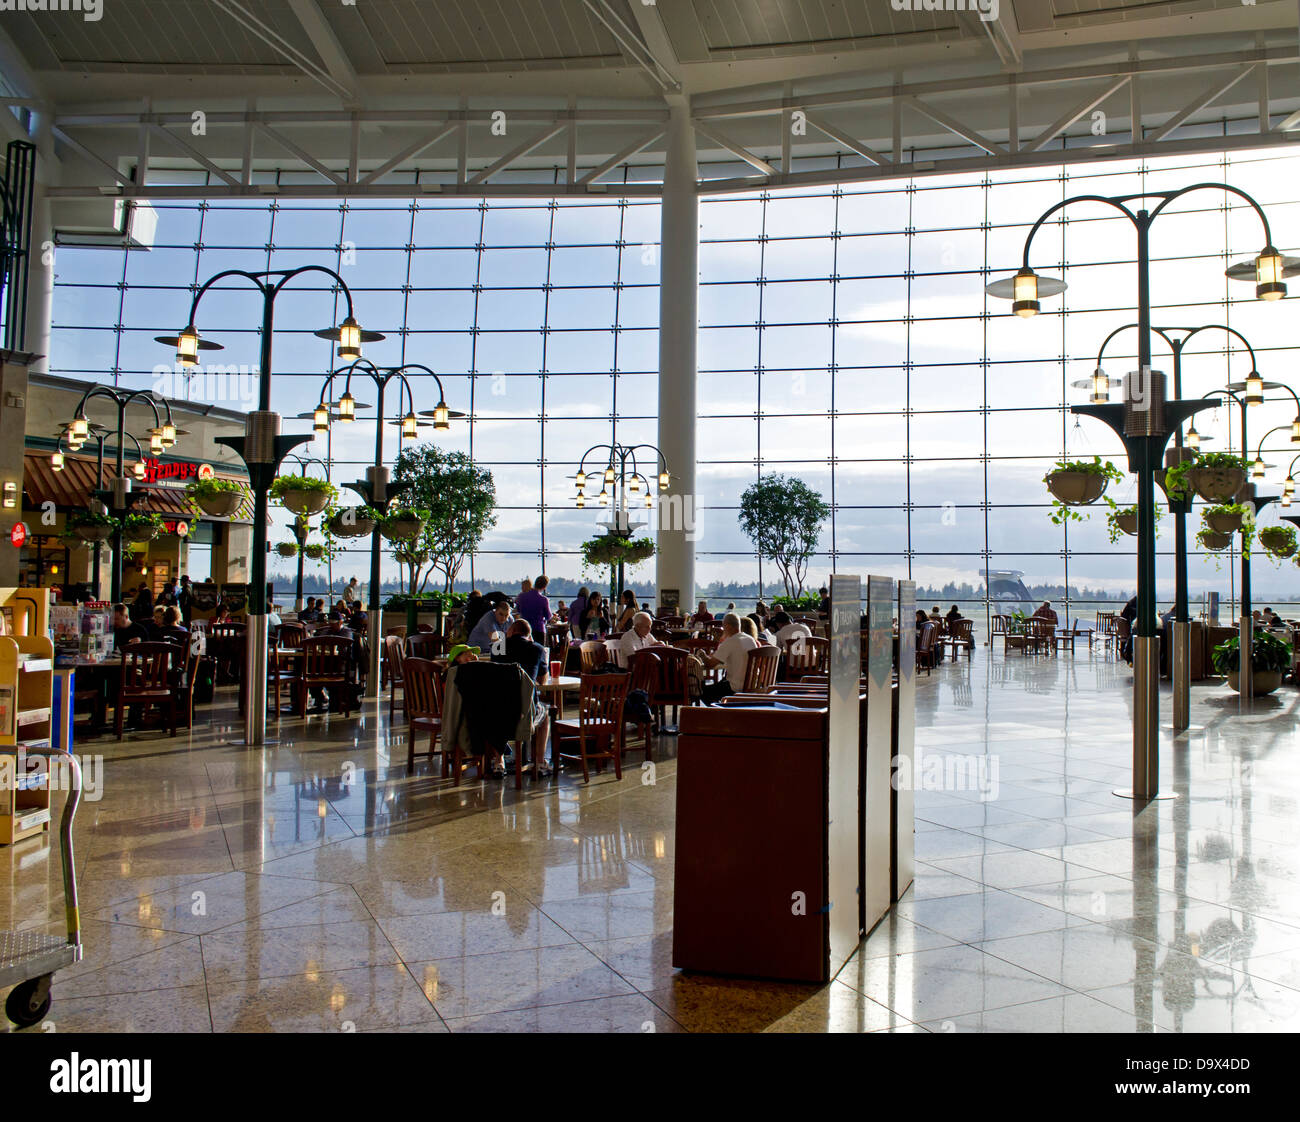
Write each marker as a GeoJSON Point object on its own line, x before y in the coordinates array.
{"type": "Point", "coordinates": [785, 629]}
{"type": "Point", "coordinates": [732, 653]}
{"type": "Point", "coordinates": [351, 592]}
{"type": "Point", "coordinates": [637, 637]}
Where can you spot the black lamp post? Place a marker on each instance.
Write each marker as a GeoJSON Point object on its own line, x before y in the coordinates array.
{"type": "Point", "coordinates": [118, 497]}
{"type": "Point", "coordinates": [618, 487]}
{"type": "Point", "coordinates": [262, 448]}
{"type": "Point", "coordinates": [137, 472]}
{"type": "Point", "coordinates": [376, 489]}
{"type": "Point", "coordinates": [1145, 421]}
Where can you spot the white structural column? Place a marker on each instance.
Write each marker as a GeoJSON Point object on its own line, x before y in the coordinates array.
{"type": "Point", "coordinates": [40, 283]}
{"type": "Point", "coordinates": [678, 281]}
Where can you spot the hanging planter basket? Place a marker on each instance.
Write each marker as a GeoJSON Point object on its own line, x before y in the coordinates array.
{"type": "Point", "coordinates": [401, 529]}
{"type": "Point", "coordinates": [1211, 539]}
{"type": "Point", "coordinates": [139, 534]}
{"type": "Point", "coordinates": [1224, 522]}
{"type": "Point", "coordinates": [356, 526]}
{"type": "Point", "coordinates": [221, 505]}
{"type": "Point", "coordinates": [1217, 484]}
{"type": "Point", "coordinates": [305, 502]}
{"type": "Point", "coordinates": [287, 549]}
{"type": "Point", "coordinates": [93, 532]}
{"type": "Point", "coordinates": [1076, 488]}
{"type": "Point", "coordinates": [1127, 522]}
{"type": "Point", "coordinates": [315, 551]}
{"type": "Point", "coordinates": [1280, 541]}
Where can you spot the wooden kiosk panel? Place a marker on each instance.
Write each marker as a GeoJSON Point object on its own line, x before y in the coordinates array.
{"type": "Point", "coordinates": [751, 834]}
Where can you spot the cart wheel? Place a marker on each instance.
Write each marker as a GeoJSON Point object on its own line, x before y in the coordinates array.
{"type": "Point", "coordinates": [19, 1007]}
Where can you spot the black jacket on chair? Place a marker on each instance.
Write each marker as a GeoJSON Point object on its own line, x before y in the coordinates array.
{"type": "Point", "coordinates": [490, 702]}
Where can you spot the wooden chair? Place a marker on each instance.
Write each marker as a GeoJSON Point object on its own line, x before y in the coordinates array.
{"type": "Point", "coordinates": [326, 662]}
{"type": "Point", "coordinates": [661, 631]}
{"type": "Point", "coordinates": [960, 634]}
{"type": "Point", "coordinates": [594, 654]}
{"type": "Point", "coordinates": [1040, 635]}
{"type": "Point", "coordinates": [396, 660]}
{"type": "Point", "coordinates": [599, 727]}
{"type": "Point", "coordinates": [425, 644]}
{"type": "Point", "coordinates": [925, 645]}
{"type": "Point", "coordinates": [761, 665]}
{"type": "Point", "coordinates": [807, 655]}
{"type": "Point", "coordinates": [422, 699]}
{"type": "Point", "coordinates": [664, 675]}
{"type": "Point", "coordinates": [999, 627]}
{"type": "Point", "coordinates": [292, 635]}
{"type": "Point", "coordinates": [557, 646]}
{"type": "Point", "coordinates": [226, 642]}
{"type": "Point", "coordinates": [147, 679]}
{"type": "Point", "coordinates": [1105, 631]}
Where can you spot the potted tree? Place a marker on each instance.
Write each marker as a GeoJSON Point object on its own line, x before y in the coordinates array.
{"type": "Point", "coordinates": [219, 498]}
{"type": "Point", "coordinates": [302, 494]}
{"type": "Point", "coordinates": [1280, 541]}
{"type": "Point", "coordinates": [141, 527]}
{"type": "Point", "coordinates": [1079, 483]}
{"type": "Point", "coordinates": [1270, 660]}
{"type": "Point", "coordinates": [353, 521]}
{"type": "Point", "coordinates": [1212, 539]}
{"type": "Point", "coordinates": [90, 526]}
{"type": "Point", "coordinates": [1226, 518]}
{"type": "Point", "coordinates": [1217, 476]}
{"type": "Point", "coordinates": [402, 523]}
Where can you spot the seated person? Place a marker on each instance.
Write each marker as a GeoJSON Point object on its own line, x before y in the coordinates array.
{"type": "Point", "coordinates": [171, 627]}
{"type": "Point", "coordinates": [595, 618]}
{"type": "Point", "coordinates": [273, 616]}
{"type": "Point", "coordinates": [733, 654]}
{"type": "Point", "coordinates": [784, 629]}
{"type": "Point", "coordinates": [935, 614]}
{"type": "Point", "coordinates": [750, 628]}
{"type": "Point", "coordinates": [125, 630]}
{"type": "Point", "coordinates": [921, 619]}
{"type": "Point", "coordinates": [636, 637]}
{"type": "Point", "coordinates": [491, 628]}
{"type": "Point", "coordinates": [954, 613]}
{"type": "Point", "coordinates": [702, 614]}
{"type": "Point", "coordinates": [1045, 612]}
{"type": "Point", "coordinates": [155, 625]}
{"type": "Point", "coordinates": [358, 619]}
{"type": "Point", "coordinates": [524, 651]}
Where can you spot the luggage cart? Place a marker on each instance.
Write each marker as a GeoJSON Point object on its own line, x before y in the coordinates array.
{"type": "Point", "coordinates": [28, 960]}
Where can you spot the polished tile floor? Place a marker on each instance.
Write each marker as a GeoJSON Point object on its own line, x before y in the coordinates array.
{"type": "Point", "coordinates": [313, 886]}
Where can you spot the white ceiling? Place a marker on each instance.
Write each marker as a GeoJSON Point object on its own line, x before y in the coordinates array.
{"type": "Point", "coordinates": [344, 88]}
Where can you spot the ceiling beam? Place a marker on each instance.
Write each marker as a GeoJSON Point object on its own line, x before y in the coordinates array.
{"type": "Point", "coordinates": [277, 42]}
{"type": "Point", "coordinates": [1212, 94]}
{"type": "Point", "coordinates": [734, 148]}
{"type": "Point", "coordinates": [1001, 33]}
{"type": "Point", "coordinates": [332, 52]}
{"type": "Point", "coordinates": [634, 46]}
{"type": "Point", "coordinates": [955, 126]}
{"type": "Point", "coordinates": [1068, 118]}
{"type": "Point", "coordinates": [517, 152]}
{"type": "Point", "coordinates": [843, 138]}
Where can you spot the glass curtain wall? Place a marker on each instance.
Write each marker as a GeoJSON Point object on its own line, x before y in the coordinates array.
{"type": "Point", "coordinates": [845, 338]}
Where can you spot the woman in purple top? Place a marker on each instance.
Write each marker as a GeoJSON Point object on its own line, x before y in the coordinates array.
{"type": "Point", "coordinates": [533, 606]}
{"type": "Point", "coordinates": [576, 609]}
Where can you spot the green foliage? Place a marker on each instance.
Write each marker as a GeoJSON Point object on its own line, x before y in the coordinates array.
{"type": "Point", "coordinates": [1247, 513]}
{"type": "Point", "coordinates": [211, 488]}
{"type": "Point", "coordinates": [283, 483]}
{"type": "Point", "coordinates": [1221, 461]}
{"type": "Point", "coordinates": [1062, 513]}
{"type": "Point", "coordinates": [1268, 652]}
{"type": "Point", "coordinates": [138, 523]}
{"type": "Point", "coordinates": [90, 518]}
{"type": "Point", "coordinates": [611, 549]}
{"type": "Point", "coordinates": [807, 602]}
{"type": "Point", "coordinates": [1112, 521]}
{"type": "Point", "coordinates": [782, 516]}
{"type": "Point", "coordinates": [1278, 540]}
{"type": "Point", "coordinates": [1177, 486]}
{"type": "Point", "coordinates": [458, 501]}
{"type": "Point", "coordinates": [425, 601]}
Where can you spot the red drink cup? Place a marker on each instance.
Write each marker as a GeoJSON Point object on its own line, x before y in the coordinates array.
{"type": "Point", "coordinates": [556, 668]}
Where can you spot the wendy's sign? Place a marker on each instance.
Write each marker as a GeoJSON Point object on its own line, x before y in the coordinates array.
{"type": "Point", "coordinates": [157, 470]}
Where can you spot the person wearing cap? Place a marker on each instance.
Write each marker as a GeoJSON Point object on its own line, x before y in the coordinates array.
{"type": "Point", "coordinates": [462, 653]}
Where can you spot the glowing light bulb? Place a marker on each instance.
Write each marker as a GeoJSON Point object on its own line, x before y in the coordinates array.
{"type": "Point", "coordinates": [1024, 293]}
{"type": "Point", "coordinates": [1269, 267]}
{"type": "Point", "coordinates": [187, 346]}
{"type": "Point", "coordinates": [56, 461]}
{"type": "Point", "coordinates": [320, 421]}
{"type": "Point", "coordinates": [1100, 387]}
{"type": "Point", "coordinates": [349, 339]}
{"type": "Point", "coordinates": [347, 407]}
{"type": "Point", "coordinates": [410, 426]}
{"type": "Point", "coordinates": [441, 417]}
{"type": "Point", "coordinates": [1254, 388]}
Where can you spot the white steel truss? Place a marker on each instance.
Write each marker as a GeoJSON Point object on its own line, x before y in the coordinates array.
{"type": "Point", "coordinates": [887, 130]}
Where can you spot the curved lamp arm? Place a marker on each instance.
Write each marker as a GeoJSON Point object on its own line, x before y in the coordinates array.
{"type": "Point", "coordinates": [1118, 204]}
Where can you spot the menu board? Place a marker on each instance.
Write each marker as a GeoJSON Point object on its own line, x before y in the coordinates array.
{"type": "Point", "coordinates": [234, 597]}
{"type": "Point", "coordinates": [204, 598]}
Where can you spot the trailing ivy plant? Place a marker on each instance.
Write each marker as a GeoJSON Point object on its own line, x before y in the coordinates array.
{"type": "Point", "coordinates": [1177, 485]}
{"type": "Point", "coordinates": [1064, 512]}
{"type": "Point", "coordinates": [1279, 535]}
{"type": "Point", "coordinates": [284, 483]}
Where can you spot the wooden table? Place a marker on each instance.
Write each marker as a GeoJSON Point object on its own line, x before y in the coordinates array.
{"type": "Point", "coordinates": [556, 688]}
